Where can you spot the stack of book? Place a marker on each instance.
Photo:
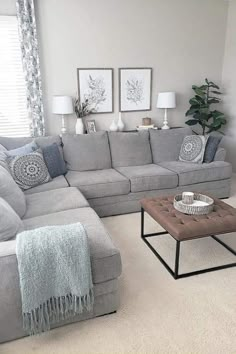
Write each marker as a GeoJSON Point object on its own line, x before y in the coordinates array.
{"type": "Point", "coordinates": [146, 127]}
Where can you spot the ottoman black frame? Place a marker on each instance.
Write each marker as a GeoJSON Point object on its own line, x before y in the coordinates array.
{"type": "Point", "coordinates": [175, 274]}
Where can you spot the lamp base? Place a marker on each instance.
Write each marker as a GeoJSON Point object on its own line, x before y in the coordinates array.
{"type": "Point", "coordinates": [165, 121]}
{"type": "Point", "coordinates": [165, 126]}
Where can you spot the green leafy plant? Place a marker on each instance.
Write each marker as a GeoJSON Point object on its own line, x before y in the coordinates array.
{"type": "Point", "coordinates": [200, 109]}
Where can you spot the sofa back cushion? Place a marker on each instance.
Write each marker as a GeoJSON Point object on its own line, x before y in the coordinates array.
{"type": "Point", "coordinates": [130, 149]}
{"type": "Point", "coordinates": [10, 222]}
{"type": "Point", "coordinates": [87, 152]}
{"type": "Point", "coordinates": [10, 191]}
{"type": "Point", "coordinates": [166, 144]}
{"type": "Point", "coordinates": [15, 143]}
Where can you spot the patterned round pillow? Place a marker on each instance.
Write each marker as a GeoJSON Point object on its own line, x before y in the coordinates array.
{"type": "Point", "coordinates": [192, 149]}
{"type": "Point", "coordinates": [29, 170]}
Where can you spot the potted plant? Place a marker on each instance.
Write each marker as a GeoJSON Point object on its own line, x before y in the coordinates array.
{"type": "Point", "coordinates": [82, 109]}
{"type": "Point", "coordinates": [200, 109]}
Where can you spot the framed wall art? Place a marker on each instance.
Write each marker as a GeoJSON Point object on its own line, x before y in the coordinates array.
{"type": "Point", "coordinates": [135, 86]}
{"type": "Point", "coordinates": [96, 86]}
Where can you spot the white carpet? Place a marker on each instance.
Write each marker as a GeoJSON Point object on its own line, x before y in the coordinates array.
{"type": "Point", "coordinates": [158, 314]}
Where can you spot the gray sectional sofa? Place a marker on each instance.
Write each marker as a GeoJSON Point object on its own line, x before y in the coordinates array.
{"type": "Point", "coordinates": [108, 173]}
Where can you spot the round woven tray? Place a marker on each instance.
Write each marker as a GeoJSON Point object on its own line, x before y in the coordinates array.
{"type": "Point", "coordinates": [194, 209]}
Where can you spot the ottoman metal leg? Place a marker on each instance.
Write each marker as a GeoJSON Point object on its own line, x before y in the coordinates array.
{"type": "Point", "coordinates": [175, 274]}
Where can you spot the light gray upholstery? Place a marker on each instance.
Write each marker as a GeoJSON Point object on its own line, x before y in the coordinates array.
{"type": "Point", "coordinates": [55, 183]}
{"type": "Point", "coordinates": [14, 143]}
{"type": "Point", "coordinates": [10, 191]}
{"type": "Point", "coordinates": [50, 202]}
{"type": "Point", "coordinates": [106, 262]}
{"type": "Point", "coordinates": [87, 152]}
{"type": "Point", "coordinates": [106, 297]}
{"type": "Point", "coordinates": [100, 183]}
{"type": "Point", "coordinates": [166, 144]}
{"type": "Point", "coordinates": [220, 154]}
{"type": "Point", "coordinates": [149, 177]}
{"type": "Point", "coordinates": [191, 173]}
{"type": "Point", "coordinates": [130, 149]}
{"type": "Point", "coordinates": [130, 203]}
{"type": "Point", "coordinates": [10, 222]}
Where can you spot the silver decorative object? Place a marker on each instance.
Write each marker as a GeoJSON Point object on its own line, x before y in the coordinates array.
{"type": "Point", "coordinates": [202, 205]}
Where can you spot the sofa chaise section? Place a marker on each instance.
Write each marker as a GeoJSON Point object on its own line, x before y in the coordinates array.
{"type": "Point", "coordinates": [105, 262]}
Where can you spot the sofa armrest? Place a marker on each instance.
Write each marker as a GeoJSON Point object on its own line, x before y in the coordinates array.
{"type": "Point", "coordinates": [220, 154]}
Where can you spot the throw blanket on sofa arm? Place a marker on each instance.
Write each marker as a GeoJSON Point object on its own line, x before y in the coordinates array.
{"type": "Point", "coordinates": [55, 275]}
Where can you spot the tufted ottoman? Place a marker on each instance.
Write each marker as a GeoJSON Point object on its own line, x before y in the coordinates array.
{"type": "Point", "coordinates": [183, 227]}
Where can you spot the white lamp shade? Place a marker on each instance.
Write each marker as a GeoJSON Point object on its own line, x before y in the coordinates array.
{"type": "Point", "coordinates": [62, 105]}
{"type": "Point", "coordinates": [166, 100]}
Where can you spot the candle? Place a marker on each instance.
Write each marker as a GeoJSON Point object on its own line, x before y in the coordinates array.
{"type": "Point", "coordinates": [188, 197]}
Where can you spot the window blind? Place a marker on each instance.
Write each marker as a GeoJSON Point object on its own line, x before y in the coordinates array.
{"type": "Point", "coordinates": [14, 118]}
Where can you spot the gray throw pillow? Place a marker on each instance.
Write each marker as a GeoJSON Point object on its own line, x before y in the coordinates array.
{"type": "Point", "coordinates": [29, 170]}
{"type": "Point", "coordinates": [11, 192]}
{"type": "Point", "coordinates": [10, 223]}
{"type": "Point", "coordinates": [211, 148]}
{"type": "Point", "coordinates": [193, 148]}
{"type": "Point", "coordinates": [54, 161]}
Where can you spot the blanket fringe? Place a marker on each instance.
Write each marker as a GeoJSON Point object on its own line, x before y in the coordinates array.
{"type": "Point", "coordinates": [54, 310]}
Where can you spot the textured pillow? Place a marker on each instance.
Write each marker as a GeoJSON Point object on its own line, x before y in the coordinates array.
{"type": "Point", "coordinates": [193, 148]}
{"type": "Point", "coordinates": [130, 149]}
{"type": "Point", "coordinates": [29, 170]}
{"type": "Point", "coordinates": [10, 223]}
{"type": "Point", "coordinates": [10, 191]}
{"type": "Point", "coordinates": [3, 152]}
{"type": "Point", "coordinates": [23, 150]}
{"type": "Point", "coordinates": [55, 163]}
{"type": "Point", "coordinates": [211, 148]}
{"type": "Point", "coordinates": [86, 152]}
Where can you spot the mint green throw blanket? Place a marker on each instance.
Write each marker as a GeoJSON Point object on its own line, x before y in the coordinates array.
{"type": "Point", "coordinates": [55, 275]}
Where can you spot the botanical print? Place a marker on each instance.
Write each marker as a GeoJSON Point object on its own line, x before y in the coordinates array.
{"type": "Point", "coordinates": [135, 89]}
{"type": "Point", "coordinates": [97, 94]}
{"type": "Point", "coordinates": [96, 86]}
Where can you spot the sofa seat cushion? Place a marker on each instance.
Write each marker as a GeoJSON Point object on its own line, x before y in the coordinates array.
{"type": "Point", "coordinates": [149, 177]}
{"type": "Point", "coordinates": [191, 173]}
{"type": "Point", "coordinates": [130, 149]}
{"type": "Point", "coordinates": [55, 183]}
{"type": "Point", "coordinates": [53, 201]}
{"type": "Point", "coordinates": [100, 183]}
{"type": "Point", "coordinates": [105, 257]}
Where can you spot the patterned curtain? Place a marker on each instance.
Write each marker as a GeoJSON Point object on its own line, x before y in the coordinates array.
{"type": "Point", "coordinates": [31, 67]}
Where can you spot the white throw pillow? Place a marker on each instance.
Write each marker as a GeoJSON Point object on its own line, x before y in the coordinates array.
{"type": "Point", "coordinates": [193, 148]}
{"type": "Point", "coordinates": [10, 223]}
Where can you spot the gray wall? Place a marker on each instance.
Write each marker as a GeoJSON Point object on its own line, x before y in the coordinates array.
{"type": "Point", "coordinates": [182, 40]}
{"type": "Point", "coordinates": [229, 84]}
{"type": "Point", "coordinates": [7, 7]}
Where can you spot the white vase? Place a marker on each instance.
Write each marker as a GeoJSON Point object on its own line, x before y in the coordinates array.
{"type": "Point", "coordinates": [113, 126]}
{"type": "Point", "coordinates": [120, 124]}
{"type": "Point", "coordinates": [79, 127]}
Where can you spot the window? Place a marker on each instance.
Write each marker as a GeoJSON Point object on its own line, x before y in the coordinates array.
{"type": "Point", "coordinates": [14, 119]}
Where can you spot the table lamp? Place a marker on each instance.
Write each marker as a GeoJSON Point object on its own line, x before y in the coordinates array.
{"type": "Point", "coordinates": [62, 105]}
{"type": "Point", "coordinates": [166, 100]}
